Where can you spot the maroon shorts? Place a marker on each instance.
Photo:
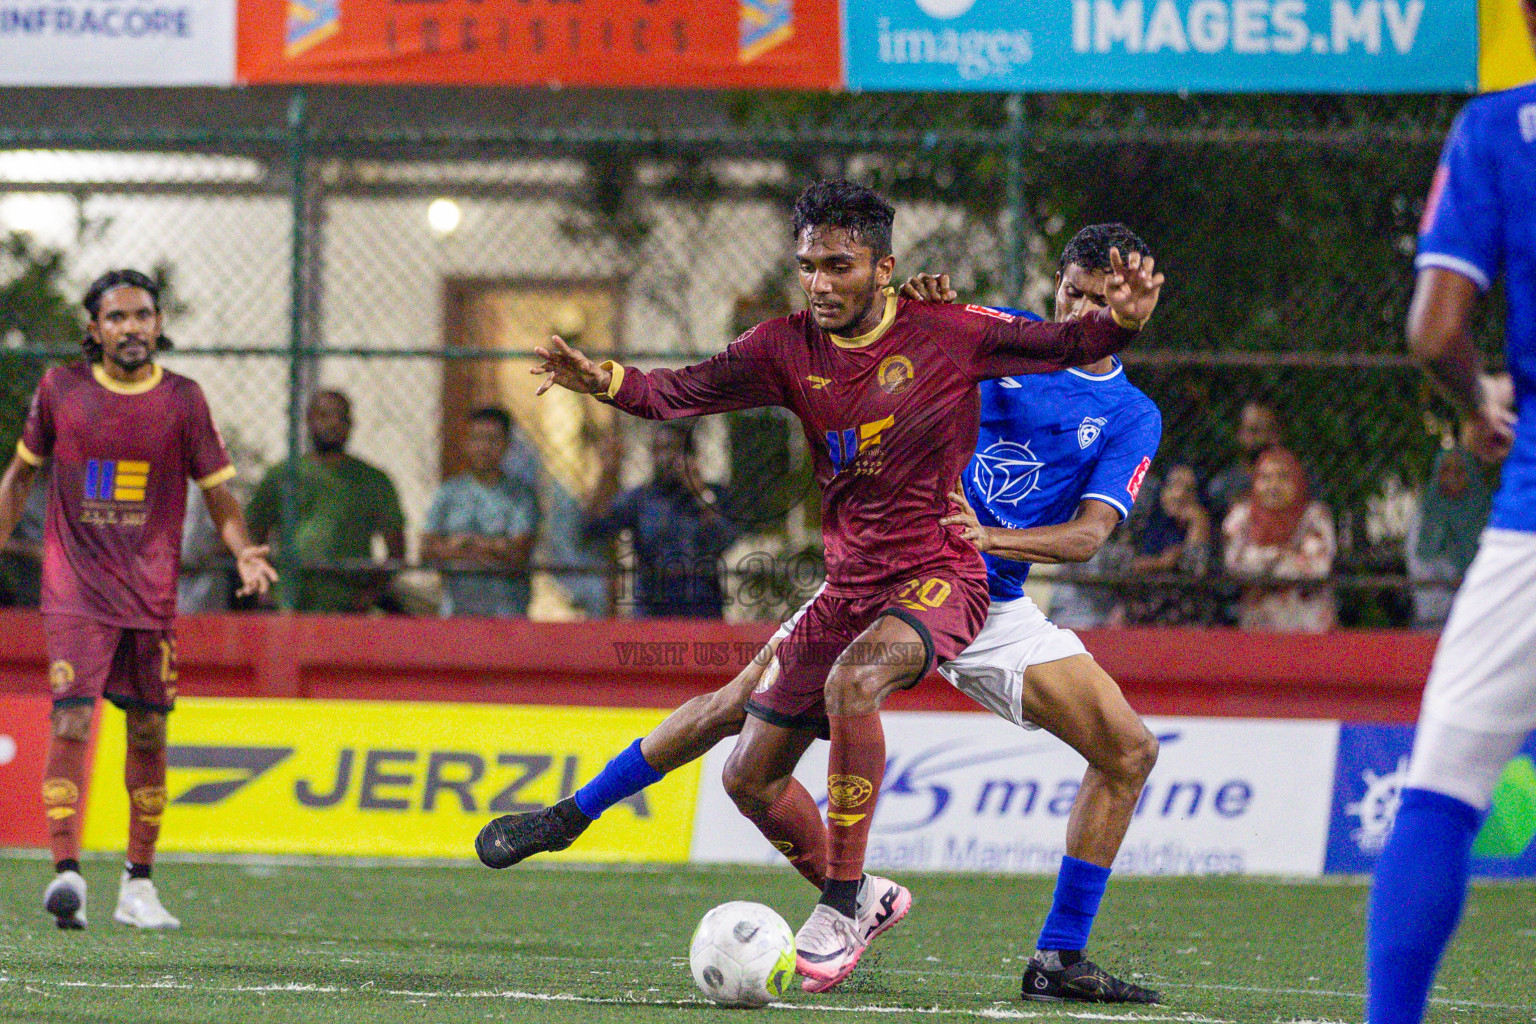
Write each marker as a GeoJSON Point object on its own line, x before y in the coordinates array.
{"type": "Point", "coordinates": [946, 610]}
{"type": "Point", "coordinates": [133, 668]}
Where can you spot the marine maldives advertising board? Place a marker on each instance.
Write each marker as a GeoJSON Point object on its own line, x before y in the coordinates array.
{"type": "Point", "coordinates": [973, 793]}
{"type": "Point", "coordinates": [1366, 46]}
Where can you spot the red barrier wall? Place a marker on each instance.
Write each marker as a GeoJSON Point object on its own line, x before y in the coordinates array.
{"type": "Point", "coordinates": [1360, 677]}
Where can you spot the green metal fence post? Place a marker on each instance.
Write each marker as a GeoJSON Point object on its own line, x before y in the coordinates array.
{"type": "Point", "coordinates": [298, 297]}
{"type": "Point", "coordinates": [1013, 193]}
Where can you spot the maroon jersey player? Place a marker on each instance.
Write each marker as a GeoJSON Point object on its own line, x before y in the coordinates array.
{"type": "Point", "coordinates": [124, 435]}
{"type": "Point", "coordinates": [885, 390]}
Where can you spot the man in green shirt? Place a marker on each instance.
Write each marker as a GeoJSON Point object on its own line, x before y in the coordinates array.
{"type": "Point", "coordinates": [342, 503]}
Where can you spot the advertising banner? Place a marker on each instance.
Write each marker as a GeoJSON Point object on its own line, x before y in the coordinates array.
{"type": "Point", "coordinates": [1373, 761]}
{"type": "Point", "coordinates": [967, 792]}
{"type": "Point", "coordinates": [23, 749]}
{"type": "Point", "coordinates": [1505, 58]}
{"type": "Point", "coordinates": [385, 778]}
{"type": "Point", "coordinates": [117, 42]}
{"type": "Point", "coordinates": [1367, 46]}
{"type": "Point", "coordinates": [637, 43]}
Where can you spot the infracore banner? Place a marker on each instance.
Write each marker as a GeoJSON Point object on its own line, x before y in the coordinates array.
{"type": "Point", "coordinates": [111, 42]}
{"type": "Point", "coordinates": [1365, 46]}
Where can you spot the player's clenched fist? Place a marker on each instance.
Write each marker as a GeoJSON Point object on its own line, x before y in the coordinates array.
{"type": "Point", "coordinates": [570, 369]}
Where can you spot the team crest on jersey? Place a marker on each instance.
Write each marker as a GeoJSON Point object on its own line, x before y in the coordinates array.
{"type": "Point", "coordinates": [896, 374]}
{"type": "Point", "coordinates": [1007, 472]}
{"type": "Point", "coordinates": [1089, 430]}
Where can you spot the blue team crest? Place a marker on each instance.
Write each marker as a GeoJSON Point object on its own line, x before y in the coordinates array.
{"type": "Point", "coordinates": [1089, 430]}
{"type": "Point", "coordinates": [1006, 472]}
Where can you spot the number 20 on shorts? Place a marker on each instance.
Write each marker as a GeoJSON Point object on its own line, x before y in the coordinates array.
{"type": "Point", "coordinates": [920, 594]}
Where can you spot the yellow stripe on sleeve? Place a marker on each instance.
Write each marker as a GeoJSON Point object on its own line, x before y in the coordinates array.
{"type": "Point", "coordinates": [27, 455]}
{"type": "Point", "coordinates": [217, 477]}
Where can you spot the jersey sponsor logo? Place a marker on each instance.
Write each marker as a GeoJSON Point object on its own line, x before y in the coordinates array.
{"type": "Point", "coordinates": [896, 374]}
{"type": "Point", "coordinates": [1007, 472]}
{"type": "Point", "coordinates": [995, 314]}
{"type": "Point", "coordinates": [1134, 486]}
{"type": "Point", "coordinates": [817, 383]}
{"type": "Point", "coordinates": [1089, 430]}
{"type": "Point", "coordinates": [843, 446]}
{"type": "Point", "coordinates": [116, 480]}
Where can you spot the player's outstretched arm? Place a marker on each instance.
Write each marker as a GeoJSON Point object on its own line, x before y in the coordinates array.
{"type": "Point", "coordinates": [1437, 337]}
{"type": "Point", "coordinates": [15, 486]}
{"type": "Point", "coordinates": [1074, 541]}
{"type": "Point", "coordinates": [256, 573]}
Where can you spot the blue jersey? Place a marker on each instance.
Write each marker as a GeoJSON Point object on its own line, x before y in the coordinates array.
{"type": "Point", "coordinates": [1047, 442]}
{"type": "Point", "coordinates": [1480, 220]}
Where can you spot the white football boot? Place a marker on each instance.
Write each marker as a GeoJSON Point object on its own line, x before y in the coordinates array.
{"type": "Point", "coordinates": [65, 900]}
{"type": "Point", "coordinates": [139, 905]}
{"type": "Point", "coordinates": [827, 949]}
{"type": "Point", "coordinates": [882, 903]}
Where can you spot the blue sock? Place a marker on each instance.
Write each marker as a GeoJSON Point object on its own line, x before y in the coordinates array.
{"type": "Point", "coordinates": [1079, 888]}
{"type": "Point", "coordinates": [624, 776]}
{"type": "Point", "coordinates": [1416, 900]}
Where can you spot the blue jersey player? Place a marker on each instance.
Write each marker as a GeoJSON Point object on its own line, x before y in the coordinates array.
{"type": "Point", "coordinates": [1480, 702]}
{"type": "Point", "coordinates": [1058, 465]}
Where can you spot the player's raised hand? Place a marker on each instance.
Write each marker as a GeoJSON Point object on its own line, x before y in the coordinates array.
{"type": "Point", "coordinates": [1132, 288]}
{"type": "Point", "coordinates": [965, 517]}
{"type": "Point", "coordinates": [256, 573]}
{"type": "Point", "coordinates": [929, 288]}
{"type": "Point", "coordinates": [570, 369]}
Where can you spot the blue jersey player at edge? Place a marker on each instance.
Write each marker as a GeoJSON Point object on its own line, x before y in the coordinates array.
{"type": "Point", "coordinates": [1060, 459]}
{"type": "Point", "coordinates": [1480, 702]}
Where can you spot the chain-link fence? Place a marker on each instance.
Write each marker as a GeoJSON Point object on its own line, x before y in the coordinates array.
{"type": "Point", "coordinates": [408, 248]}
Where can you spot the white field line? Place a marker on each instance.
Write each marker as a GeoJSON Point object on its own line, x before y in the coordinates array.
{"type": "Point", "coordinates": [513, 995]}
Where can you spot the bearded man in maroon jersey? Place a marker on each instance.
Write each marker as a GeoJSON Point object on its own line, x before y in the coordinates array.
{"type": "Point", "coordinates": [885, 389]}
{"type": "Point", "coordinates": [124, 435]}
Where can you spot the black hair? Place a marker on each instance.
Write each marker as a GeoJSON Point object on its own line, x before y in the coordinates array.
{"type": "Point", "coordinates": [493, 414]}
{"type": "Point", "coordinates": [110, 281]}
{"type": "Point", "coordinates": [843, 204]}
{"type": "Point", "coordinates": [1090, 247]}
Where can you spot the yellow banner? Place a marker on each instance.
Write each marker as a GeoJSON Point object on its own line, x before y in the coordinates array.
{"type": "Point", "coordinates": [1505, 58]}
{"type": "Point", "coordinates": [385, 779]}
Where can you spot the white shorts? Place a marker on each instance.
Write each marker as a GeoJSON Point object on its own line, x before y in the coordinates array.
{"type": "Point", "coordinates": [1484, 674]}
{"type": "Point", "coordinates": [1016, 635]}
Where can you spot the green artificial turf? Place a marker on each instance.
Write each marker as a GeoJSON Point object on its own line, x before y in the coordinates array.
{"type": "Point", "coordinates": [355, 943]}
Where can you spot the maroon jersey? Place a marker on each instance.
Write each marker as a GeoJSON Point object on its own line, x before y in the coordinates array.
{"type": "Point", "coordinates": [890, 418]}
{"type": "Point", "coordinates": [122, 454]}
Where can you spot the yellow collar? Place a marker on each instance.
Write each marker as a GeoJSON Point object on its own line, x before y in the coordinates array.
{"type": "Point", "coordinates": [118, 387]}
{"type": "Point", "coordinates": [865, 340]}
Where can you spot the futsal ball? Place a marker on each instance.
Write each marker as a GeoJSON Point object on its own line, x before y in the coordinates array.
{"type": "Point", "coordinates": [742, 954]}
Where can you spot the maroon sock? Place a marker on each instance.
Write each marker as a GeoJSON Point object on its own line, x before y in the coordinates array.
{"type": "Point", "coordinates": [854, 773]}
{"type": "Point", "coordinates": [792, 823]}
{"type": "Point", "coordinates": [144, 775]}
{"type": "Point", "coordinates": [63, 795]}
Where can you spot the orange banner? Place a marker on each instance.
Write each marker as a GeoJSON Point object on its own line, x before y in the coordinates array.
{"type": "Point", "coordinates": [636, 43]}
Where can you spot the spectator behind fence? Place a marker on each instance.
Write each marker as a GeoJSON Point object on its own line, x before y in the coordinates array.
{"type": "Point", "coordinates": [1258, 428]}
{"type": "Point", "coordinates": [678, 523]}
{"type": "Point", "coordinates": [483, 524]}
{"type": "Point", "coordinates": [1442, 539]}
{"type": "Point", "coordinates": [341, 504]}
{"type": "Point", "coordinates": [21, 560]}
{"type": "Point", "coordinates": [1281, 545]}
{"type": "Point", "coordinates": [1175, 537]}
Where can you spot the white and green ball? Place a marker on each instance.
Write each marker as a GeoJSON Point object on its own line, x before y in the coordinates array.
{"type": "Point", "coordinates": [742, 954]}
